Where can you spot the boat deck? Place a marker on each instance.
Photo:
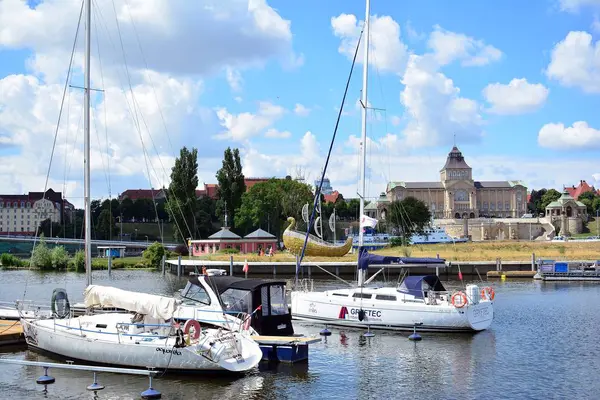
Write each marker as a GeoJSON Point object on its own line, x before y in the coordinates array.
{"type": "Point", "coordinates": [286, 340]}
{"type": "Point", "coordinates": [11, 332]}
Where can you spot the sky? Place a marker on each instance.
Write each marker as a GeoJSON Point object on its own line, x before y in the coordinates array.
{"type": "Point", "coordinates": [516, 85]}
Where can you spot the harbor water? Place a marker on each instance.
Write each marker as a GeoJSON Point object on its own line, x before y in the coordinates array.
{"type": "Point", "coordinates": [542, 344]}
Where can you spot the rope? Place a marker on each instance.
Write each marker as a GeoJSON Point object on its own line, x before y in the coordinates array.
{"type": "Point", "coordinates": [318, 191]}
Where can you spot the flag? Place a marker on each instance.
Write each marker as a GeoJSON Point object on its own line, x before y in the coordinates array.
{"type": "Point", "coordinates": [459, 274]}
{"type": "Point", "coordinates": [245, 269]}
{"type": "Point", "coordinates": [368, 221]}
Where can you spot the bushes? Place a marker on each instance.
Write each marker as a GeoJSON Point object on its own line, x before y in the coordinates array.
{"type": "Point", "coordinates": [60, 258]}
{"type": "Point", "coordinates": [78, 261]}
{"type": "Point", "coordinates": [182, 250]}
{"type": "Point", "coordinates": [10, 260]}
{"type": "Point", "coordinates": [154, 254]}
{"type": "Point", "coordinates": [229, 251]}
{"type": "Point", "coordinates": [41, 256]}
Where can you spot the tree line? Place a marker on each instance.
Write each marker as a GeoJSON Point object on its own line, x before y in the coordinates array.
{"type": "Point", "coordinates": [539, 200]}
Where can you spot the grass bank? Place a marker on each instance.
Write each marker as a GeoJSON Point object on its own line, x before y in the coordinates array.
{"type": "Point", "coordinates": [474, 251]}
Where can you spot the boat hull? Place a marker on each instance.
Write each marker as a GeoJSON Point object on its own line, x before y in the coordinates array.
{"type": "Point", "coordinates": [62, 337]}
{"type": "Point", "coordinates": [340, 311]}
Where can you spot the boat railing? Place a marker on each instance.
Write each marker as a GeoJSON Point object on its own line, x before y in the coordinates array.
{"type": "Point", "coordinates": [306, 285]}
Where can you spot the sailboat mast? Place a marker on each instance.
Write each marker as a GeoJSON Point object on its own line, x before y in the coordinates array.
{"type": "Point", "coordinates": [363, 156]}
{"type": "Point", "coordinates": [86, 144]}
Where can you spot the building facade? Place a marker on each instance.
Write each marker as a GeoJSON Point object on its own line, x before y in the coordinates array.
{"type": "Point", "coordinates": [22, 214]}
{"type": "Point", "coordinates": [457, 195]}
{"type": "Point", "coordinates": [567, 214]}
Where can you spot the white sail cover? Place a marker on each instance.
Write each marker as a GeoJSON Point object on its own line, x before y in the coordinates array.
{"type": "Point", "coordinates": [155, 306]}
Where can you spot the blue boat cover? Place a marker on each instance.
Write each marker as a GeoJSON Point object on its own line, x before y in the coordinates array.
{"type": "Point", "coordinates": [418, 285]}
{"type": "Point", "coordinates": [365, 259]}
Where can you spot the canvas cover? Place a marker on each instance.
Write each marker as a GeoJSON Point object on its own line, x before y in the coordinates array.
{"type": "Point", "coordinates": [148, 304]}
{"type": "Point", "coordinates": [365, 259]}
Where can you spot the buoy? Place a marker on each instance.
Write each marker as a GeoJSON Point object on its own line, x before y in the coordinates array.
{"type": "Point", "coordinates": [415, 336]}
{"type": "Point", "coordinates": [151, 393]}
{"type": "Point", "coordinates": [368, 333]}
{"type": "Point", "coordinates": [95, 386]}
{"type": "Point", "coordinates": [503, 277]}
{"type": "Point", "coordinates": [45, 379]}
{"type": "Point", "coordinates": [325, 332]}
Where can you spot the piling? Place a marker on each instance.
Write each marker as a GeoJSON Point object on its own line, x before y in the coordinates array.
{"type": "Point", "coordinates": [179, 266]}
{"type": "Point", "coordinates": [109, 264]}
{"type": "Point", "coordinates": [533, 261]}
{"type": "Point", "coordinates": [230, 265]}
{"type": "Point", "coordinates": [162, 263]}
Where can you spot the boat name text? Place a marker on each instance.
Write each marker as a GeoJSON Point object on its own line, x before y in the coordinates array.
{"type": "Point", "coordinates": [169, 351]}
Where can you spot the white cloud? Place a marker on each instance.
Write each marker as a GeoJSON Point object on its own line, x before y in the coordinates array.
{"type": "Point", "coordinates": [574, 6]}
{"type": "Point", "coordinates": [387, 52]}
{"type": "Point", "coordinates": [301, 110]}
{"type": "Point", "coordinates": [412, 33]}
{"type": "Point", "coordinates": [238, 99]}
{"type": "Point", "coordinates": [435, 107]}
{"type": "Point", "coordinates": [595, 26]}
{"type": "Point", "coordinates": [277, 134]}
{"type": "Point", "coordinates": [575, 62]}
{"type": "Point", "coordinates": [450, 46]}
{"type": "Point", "coordinates": [578, 136]}
{"type": "Point", "coordinates": [396, 120]}
{"type": "Point", "coordinates": [234, 79]}
{"type": "Point", "coordinates": [243, 126]}
{"type": "Point", "coordinates": [518, 97]}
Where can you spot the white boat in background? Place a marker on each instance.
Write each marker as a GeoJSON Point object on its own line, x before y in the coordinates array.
{"type": "Point", "coordinates": [435, 234]}
{"type": "Point", "coordinates": [145, 337]}
{"type": "Point", "coordinates": [418, 301]}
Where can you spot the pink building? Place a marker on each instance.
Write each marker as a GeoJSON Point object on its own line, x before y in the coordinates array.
{"type": "Point", "coordinates": [225, 239]}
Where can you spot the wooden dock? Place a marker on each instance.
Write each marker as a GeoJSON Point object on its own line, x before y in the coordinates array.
{"type": "Point", "coordinates": [11, 332]}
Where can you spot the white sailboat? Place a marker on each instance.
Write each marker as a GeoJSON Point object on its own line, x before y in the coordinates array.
{"type": "Point", "coordinates": [146, 335]}
{"type": "Point", "coordinates": [418, 301]}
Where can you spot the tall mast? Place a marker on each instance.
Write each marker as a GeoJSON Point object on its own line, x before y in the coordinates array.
{"type": "Point", "coordinates": [361, 273]}
{"type": "Point", "coordinates": [86, 144]}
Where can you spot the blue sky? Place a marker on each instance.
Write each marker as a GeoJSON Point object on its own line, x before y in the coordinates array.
{"type": "Point", "coordinates": [268, 77]}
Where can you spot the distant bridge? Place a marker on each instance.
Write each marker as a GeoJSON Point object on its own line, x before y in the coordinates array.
{"type": "Point", "coordinates": [108, 243]}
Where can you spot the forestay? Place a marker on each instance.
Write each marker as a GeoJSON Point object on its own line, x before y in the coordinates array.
{"type": "Point", "coordinates": [155, 306]}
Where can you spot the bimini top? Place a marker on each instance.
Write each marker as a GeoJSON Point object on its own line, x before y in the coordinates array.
{"type": "Point", "coordinates": [365, 259]}
{"type": "Point", "coordinates": [158, 307]}
{"type": "Point", "coordinates": [418, 285]}
{"type": "Point", "coordinates": [222, 283]}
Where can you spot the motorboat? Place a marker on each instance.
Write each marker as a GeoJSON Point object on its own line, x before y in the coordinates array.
{"type": "Point", "coordinates": [146, 336]}
{"type": "Point", "coordinates": [232, 301]}
{"type": "Point", "coordinates": [418, 301]}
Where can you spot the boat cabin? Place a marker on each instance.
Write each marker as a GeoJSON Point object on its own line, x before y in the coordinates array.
{"type": "Point", "coordinates": [419, 285]}
{"type": "Point", "coordinates": [246, 296]}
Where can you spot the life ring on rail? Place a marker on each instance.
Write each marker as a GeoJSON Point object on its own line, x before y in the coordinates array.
{"type": "Point", "coordinates": [462, 300]}
{"type": "Point", "coordinates": [488, 293]}
{"type": "Point", "coordinates": [189, 324]}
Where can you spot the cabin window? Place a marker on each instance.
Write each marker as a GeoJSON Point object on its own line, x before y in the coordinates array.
{"type": "Point", "coordinates": [385, 297]}
{"type": "Point", "coordinates": [264, 295]}
{"type": "Point", "coordinates": [340, 294]}
{"type": "Point", "coordinates": [237, 300]}
{"type": "Point", "coordinates": [362, 295]}
{"type": "Point", "coordinates": [196, 293]}
{"type": "Point", "coordinates": [278, 303]}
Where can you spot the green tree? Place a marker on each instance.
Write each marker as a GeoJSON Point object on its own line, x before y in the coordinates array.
{"type": "Point", "coordinates": [408, 216]}
{"type": "Point", "coordinates": [105, 227]}
{"type": "Point", "coordinates": [127, 209]}
{"type": "Point", "coordinates": [596, 205]}
{"type": "Point", "coordinates": [205, 216]}
{"type": "Point", "coordinates": [50, 229]}
{"type": "Point", "coordinates": [548, 197]}
{"type": "Point", "coordinates": [60, 257]}
{"type": "Point", "coordinates": [181, 197]}
{"type": "Point", "coordinates": [79, 261]}
{"type": "Point", "coordinates": [535, 201]}
{"type": "Point", "coordinates": [154, 254]}
{"type": "Point", "coordinates": [231, 185]}
{"type": "Point", "coordinates": [41, 257]}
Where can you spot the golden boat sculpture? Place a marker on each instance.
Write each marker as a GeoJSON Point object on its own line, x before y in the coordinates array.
{"type": "Point", "coordinates": [294, 240]}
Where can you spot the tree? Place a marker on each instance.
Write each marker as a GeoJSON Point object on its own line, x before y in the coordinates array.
{"type": "Point", "coordinates": [231, 185]}
{"type": "Point", "coordinates": [535, 201]}
{"type": "Point", "coordinates": [205, 215]}
{"type": "Point", "coordinates": [50, 229]}
{"type": "Point", "coordinates": [127, 209]}
{"type": "Point", "coordinates": [154, 254]}
{"type": "Point", "coordinates": [105, 226]}
{"type": "Point", "coordinates": [268, 204]}
{"type": "Point", "coordinates": [95, 209]}
{"type": "Point", "coordinates": [588, 198]}
{"type": "Point", "coordinates": [409, 216]}
{"type": "Point", "coordinates": [596, 205]}
{"type": "Point", "coordinates": [41, 257]}
{"type": "Point", "coordinates": [548, 197]}
{"type": "Point", "coordinates": [181, 198]}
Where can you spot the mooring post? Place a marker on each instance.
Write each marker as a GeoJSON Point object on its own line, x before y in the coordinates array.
{"type": "Point", "coordinates": [437, 269]}
{"type": "Point", "coordinates": [179, 266]}
{"type": "Point", "coordinates": [309, 270]}
{"type": "Point", "coordinates": [533, 261]}
{"type": "Point", "coordinates": [162, 263]}
{"type": "Point", "coordinates": [109, 264]}
{"type": "Point", "coordinates": [230, 265]}
{"type": "Point", "coordinates": [274, 270]}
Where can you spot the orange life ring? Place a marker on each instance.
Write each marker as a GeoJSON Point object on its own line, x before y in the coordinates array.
{"type": "Point", "coordinates": [192, 323]}
{"type": "Point", "coordinates": [487, 293]}
{"type": "Point", "coordinates": [463, 300]}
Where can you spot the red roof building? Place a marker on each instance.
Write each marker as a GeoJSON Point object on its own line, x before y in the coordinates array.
{"type": "Point", "coordinates": [333, 197]}
{"type": "Point", "coordinates": [137, 194]}
{"type": "Point", "coordinates": [583, 187]}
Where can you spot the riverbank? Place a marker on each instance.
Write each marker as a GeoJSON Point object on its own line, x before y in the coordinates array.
{"type": "Point", "coordinates": [472, 251]}
{"type": "Point", "coordinates": [98, 264]}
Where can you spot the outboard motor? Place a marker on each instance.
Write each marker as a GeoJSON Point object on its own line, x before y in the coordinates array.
{"type": "Point", "coordinates": [60, 304]}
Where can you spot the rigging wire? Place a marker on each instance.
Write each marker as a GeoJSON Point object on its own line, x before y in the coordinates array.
{"type": "Point", "coordinates": [318, 191]}
{"type": "Point", "coordinates": [64, 95]}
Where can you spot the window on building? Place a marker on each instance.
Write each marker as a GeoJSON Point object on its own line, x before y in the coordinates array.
{"type": "Point", "coordinates": [15, 204]}
{"type": "Point", "coordinates": [485, 205]}
{"type": "Point", "coordinates": [8, 204]}
{"type": "Point", "coordinates": [492, 206]}
{"type": "Point", "coordinates": [28, 204]}
{"type": "Point", "coordinates": [1, 204]}
{"type": "Point", "coordinates": [461, 195]}
{"type": "Point", "coordinates": [499, 206]}
{"type": "Point", "coordinates": [507, 206]}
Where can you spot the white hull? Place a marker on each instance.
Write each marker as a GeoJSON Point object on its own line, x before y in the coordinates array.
{"type": "Point", "coordinates": [402, 314]}
{"type": "Point", "coordinates": [142, 349]}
